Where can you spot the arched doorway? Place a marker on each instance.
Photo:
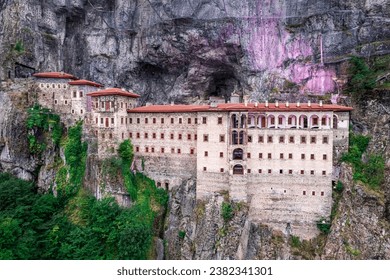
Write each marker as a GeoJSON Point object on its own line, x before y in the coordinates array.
{"type": "Point", "coordinates": [238, 154]}
{"type": "Point", "coordinates": [238, 170]}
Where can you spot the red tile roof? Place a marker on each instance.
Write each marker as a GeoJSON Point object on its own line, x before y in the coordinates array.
{"type": "Point", "coordinates": [84, 83]}
{"type": "Point", "coordinates": [227, 107]}
{"type": "Point", "coordinates": [113, 91]}
{"type": "Point", "coordinates": [54, 75]}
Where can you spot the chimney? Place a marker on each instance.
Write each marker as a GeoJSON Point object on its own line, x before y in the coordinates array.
{"type": "Point", "coordinates": [320, 103]}
{"type": "Point", "coordinates": [298, 104]}
{"type": "Point", "coordinates": [266, 103]}
{"type": "Point", "coordinates": [287, 104]}
{"type": "Point", "coordinates": [309, 103]}
{"type": "Point", "coordinates": [276, 103]}
{"type": "Point", "coordinates": [246, 100]}
{"type": "Point", "coordinates": [256, 104]}
{"type": "Point", "coordinates": [172, 103]}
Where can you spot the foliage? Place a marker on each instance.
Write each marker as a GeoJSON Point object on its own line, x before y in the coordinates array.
{"type": "Point", "coordinates": [339, 187]}
{"type": "Point", "coordinates": [370, 172]}
{"type": "Point", "coordinates": [40, 121]}
{"type": "Point", "coordinates": [226, 211]}
{"type": "Point", "coordinates": [71, 176]}
{"type": "Point", "coordinates": [182, 234]}
{"type": "Point", "coordinates": [362, 77]}
{"type": "Point", "coordinates": [295, 241]}
{"type": "Point", "coordinates": [19, 48]}
{"type": "Point", "coordinates": [125, 151]}
{"type": "Point", "coordinates": [323, 225]}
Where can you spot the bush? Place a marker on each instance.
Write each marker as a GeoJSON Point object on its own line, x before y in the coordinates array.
{"type": "Point", "coordinates": [227, 211]}
{"type": "Point", "coordinates": [182, 234]}
{"type": "Point", "coordinates": [323, 225]}
{"type": "Point", "coordinates": [362, 77]}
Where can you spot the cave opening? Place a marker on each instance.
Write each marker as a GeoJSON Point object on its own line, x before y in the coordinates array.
{"type": "Point", "coordinates": [222, 85]}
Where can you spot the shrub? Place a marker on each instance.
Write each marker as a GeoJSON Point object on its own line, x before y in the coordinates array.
{"type": "Point", "coordinates": [227, 211]}
{"type": "Point", "coordinates": [182, 234]}
{"type": "Point", "coordinates": [323, 225]}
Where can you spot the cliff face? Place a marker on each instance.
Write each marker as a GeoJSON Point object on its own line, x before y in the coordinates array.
{"type": "Point", "coordinates": [183, 50]}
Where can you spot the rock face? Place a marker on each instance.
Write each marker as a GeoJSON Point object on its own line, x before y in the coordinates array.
{"type": "Point", "coordinates": [185, 50]}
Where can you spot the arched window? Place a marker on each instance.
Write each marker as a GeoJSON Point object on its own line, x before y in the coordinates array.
{"type": "Point", "coordinates": [251, 121]}
{"type": "Point", "coordinates": [235, 137]}
{"type": "Point", "coordinates": [281, 121]}
{"type": "Point", "coordinates": [314, 121]}
{"type": "Point", "coordinates": [243, 121]}
{"type": "Point", "coordinates": [335, 122]}
{"type": "Point", "coordinates": [261, 121]}
{"type": "Point", "coordinates": [234, 121]}
{"type": "Point", "coordinates": [271, 121]}
{"type": "Point", "coordinates": [238, 170]}
{"type": "Point", "coordinates": [292, 121]}
{"type": "Point", "coordinates": [324, 120]}
{"type": "Point", "coordinates": [242, 137]}
{"type": "Point", "coordinates": [238, 154]}
{"type": "Point", "coordinates": [303, 121]}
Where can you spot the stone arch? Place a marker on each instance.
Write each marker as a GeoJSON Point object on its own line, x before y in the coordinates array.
{"type": "Point", "coordinates": [251, 121]}
{"type": "Point", "coordinates": [238, 169]}
{"type": "Point", "coordinates": [238, 154]}
{"type": "Point", "coordinates": [292, 121]}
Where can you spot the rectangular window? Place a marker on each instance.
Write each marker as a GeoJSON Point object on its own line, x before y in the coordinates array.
{"type": "Point", "coordinates": [146, 120]}
{"type": "Point", "coordinates": [313, 193]}
{"type": "Point", "coordinates": [196, 120]}
{"type": "Point", "coordinates": [138, 135]}
{"type": "Point", "coordinates": [290, 171]}
{"type": "Point", "coordinates": [260, 155]}
{"type": "Point", "coordinates": [162, 120]}
{"type": "Point", "coordinates": [221, 154]}
{"type": "Point", "coordinates": [315, 121]}
{"type": "Point", "coordinates": [291, 139]}
{"type": "Point", "coordinates": [324, 157]}
{"type": "Point", "coordinates": [322, 193]}
{"type": "Point", "coordinates": [206, 153]}
{"type": "Point", "coordinates": [281, 156]}
{"type": "Point", "coordinates": [280, 120]}
{"type": "Point", "coordinates": [303, 139]}
{"type": "Point", "coordinates": [172, 136]}
{"type": "Point", "coordinates": [189, 120]}
{"type": "Point", "coordinates": [261, 139]}
{"type": "Point", "coordinates": [313, 140]}
{"type": "Point", "coordinates": [180, 137]}
{"type": "Point", "coordinates": [172, 120]}
{"type": "Point", "coordinates": [204, 120]}
{"type": "Point", "coordinates": [222, 170]}
{"type": "Point", "coordinates": [323, 173]}
{"type": "Point", "coordinates": [269, 171]}
{"type": "Point", "coordinates": [219, 120]}
{"type": "Point", "coordinates": [302, 172]}
{"type": "Point", "coordinates": [154, 135]}
{"type": "Point", "coordinates": [249, 138]}
{"type": "Point", "coordinates": [146, 136]}
{"type": "Point", "coordinates": [302, 156]}
{"type": "Point", "coordinates": [178, 151]}
{"type": "Point", "coordinates": [180, 121]}
{"type": "Point", "coordinates": [96, 120]}
{"type": "Point", "coordinates": [121, 105]}
{"type": "Point", "coordinates": [123, 135]}
{"type": "Point", "coordinates": [204, 168]}
{"type": "Point", "coordinates": [281, 171]}
{"type": "Point", "coordinates": [260, 171]}
{"type": "Point", "coordinates": [112, 120]}
{"type": "Point", "coordinates": [270, 140]}
{"type": "Point", "coordinates": [221, 138]}
{"type": "Point", "coordinates": [152, 150]}
{"type": "Point", "coordinates": [249, 171]}
{"type": "Point", "coordinates": [126, 120]}
{"type": "Point", "coordinates": [162, 150]}
{"type": "Point", "coordinates": [312, 156]}
{"type": "Point", "coordinates": [138, 120]}
{"type": "Point", "coordinates": [311, 172]}
{"type": "Point", "coordinates": [130, 135]}
{"type": "Point", "coordinates": [137, 149]}
{"type": "Point", "coordinates": [188, 136]}
{"type": "Point", "coordinates": [131, 120]}
{"type": "Point", "coordinates": [248, 155]}
{"type": "Point", "coordinates": [74, 94]}
{"type": "Point", "coordinates": [172, 150]}
{"type": "Point", "coordinates": [162, 135]}
{"type": "Point", "coordinates": [147, 149]}
{"type": "Point", "coordinates": [121, 120]}
{"type": "Point", "coordinates": [56, 101]}
{"type": "Point", "coordinates": [192, 151]}
{"type": "Point", "coordinates": [205, 137]}
{"type": "Point", "coordinates": [290, 156]}
{"type": "Point", "coordinates": [304, 192]}
{"type": "Point", "coordinates": [196, 137]}
{"type": "Point", "coordinates": [281, 139]}
{"type": "Point", "coordinates": [269, 155]}
{"type": "Point", "coordinates": [325, 140]}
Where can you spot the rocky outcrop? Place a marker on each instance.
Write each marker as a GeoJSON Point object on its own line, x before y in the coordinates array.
{"type": "Point", "coordinates": [186, 50]}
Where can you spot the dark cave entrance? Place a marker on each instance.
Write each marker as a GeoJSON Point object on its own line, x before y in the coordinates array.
{"type": "Point", "coordinates": [222, 85]}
